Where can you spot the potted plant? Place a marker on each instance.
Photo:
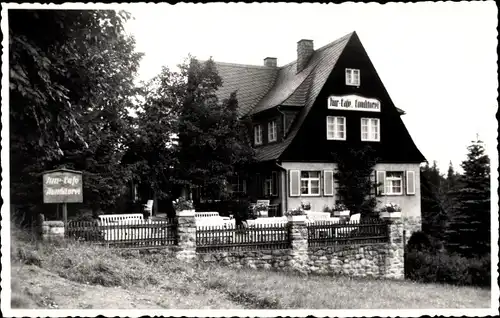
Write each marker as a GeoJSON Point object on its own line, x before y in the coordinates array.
{"type": "Point", "coordinates": [295, 215]}
{"type": "Point", "coordinates": [305, 205]}
{"type": "Point", "coordinates": [260, 209]}
{"type": "Point", "coordinates": [390, 211]}
{"type": "Point", "coordinates": [340, 210]}
{"type": "Point", "coordinates": [182, 205]}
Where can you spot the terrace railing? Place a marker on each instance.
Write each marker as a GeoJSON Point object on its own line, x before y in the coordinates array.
{"type": "Point", "coordinates": [259, 237]}
{"type": "Point", "coordinates": [321, 233]}
{"type": "Point", "coordinates": [126, 234]}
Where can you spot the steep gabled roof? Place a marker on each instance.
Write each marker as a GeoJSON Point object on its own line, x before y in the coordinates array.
{"type": "Point", "coordinates": [250, 82]}
{"type": "Point", "coordinates": [260, 88]}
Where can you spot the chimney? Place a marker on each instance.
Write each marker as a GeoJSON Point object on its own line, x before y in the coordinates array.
{"type": "Point", "coordinates": [305, 49]}
{"type": "Point", "coordinates": [271, 62]}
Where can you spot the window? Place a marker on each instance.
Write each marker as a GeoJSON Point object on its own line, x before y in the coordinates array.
{"type": "Point", "coordinates": [335, 128]}
{"type": "Point", "coordinates": [309, 182]}
{"type": "Point", "coordinates": [271, 184]}
{"type": "Point", "coordinates": [238, 185]}
{"type": "Point", "coordinates": [393, 182]}
{"type": "Point", "coordinates": [271, 131]}
{"type": "Point", "coordinates": [352, 77]}
{"type": "Point", "coordinates": [257, 132]}
{"type": "Point", "coordinates": [370, 129]}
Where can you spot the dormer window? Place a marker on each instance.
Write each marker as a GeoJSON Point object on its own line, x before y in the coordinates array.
{"type": "Point", "coordinates": [271, 131]}
{"type": "Point", "coordinates": [257, 133]}
{"type": "Point", "coordinates": [352, 77]}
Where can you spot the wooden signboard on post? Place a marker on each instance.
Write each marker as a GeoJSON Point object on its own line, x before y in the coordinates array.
{"type": "Point", "coordinates": [63, 186]}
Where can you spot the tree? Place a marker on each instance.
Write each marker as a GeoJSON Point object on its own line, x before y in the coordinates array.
{"type": "Point", "coordinates": [153, 150]}
{"type": "Point", "coordinates": [354, 176]}
{"type": "Point", "coordinates": [212, 139]}
{"type": "Point", "coordinates": [469, 230]}
{"type": "Point", "coordinates": [434, 202]}
{"type": "Point", "coordinates": [72, 75]}
{"type": "Point", "coordinates": [451, 178]}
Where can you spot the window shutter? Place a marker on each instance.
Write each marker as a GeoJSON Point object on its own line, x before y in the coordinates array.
{"type": "Point", "coordinates": [381, 182]}
{"type": "Point", "coordinates": [328, 183]}
{"type": "Point", "coordinates": [294, 183]}
{"type": "Point", "coordinates": [274, 183]}
{"type": "Point", "coordinates": [410, 182]}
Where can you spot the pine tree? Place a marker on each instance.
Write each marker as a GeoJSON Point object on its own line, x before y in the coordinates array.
{"type": "Point", "coordinates": [469, 230]}
{"type": "Point", "coordinates": [433, 201]}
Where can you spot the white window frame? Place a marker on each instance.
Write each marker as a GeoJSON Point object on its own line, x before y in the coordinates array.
{"type": "Point", "coordinates": [257, 134]}
{"type": "Point", "coordinates": [389, 182]}
{"type": "Point", "coordinates": [332, 127]}
{"type": "Point", "coordinates": [350, 76]}
{"type": "Point", "coordinates": [369, 126]}
{"type": "Point", "coordinates": [271, 131]}
{"type": "Point", "coordinates": [309, 183]}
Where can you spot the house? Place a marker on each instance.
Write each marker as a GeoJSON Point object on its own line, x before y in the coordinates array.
{"type": "Point", "coordinates": [327, 101]}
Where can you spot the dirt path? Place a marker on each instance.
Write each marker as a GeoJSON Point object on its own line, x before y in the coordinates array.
{"type": "Point", "coordinates": [48, 290]}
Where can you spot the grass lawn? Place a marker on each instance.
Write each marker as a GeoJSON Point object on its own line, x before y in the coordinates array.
{"type": "Point", "coordinates": [82, 276]}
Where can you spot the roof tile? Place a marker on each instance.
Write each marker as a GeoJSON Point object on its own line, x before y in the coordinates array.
{"type": "Point", "coordinates": [260, 88]}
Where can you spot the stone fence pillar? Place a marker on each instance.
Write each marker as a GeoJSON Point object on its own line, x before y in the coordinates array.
{"type": "Point", "coordinates": [186, 235]}
{"type": "Point", "coordinates": [298, 244]}
{"type": "Point", "coordinates": [394, 262]}
{"type": "Point", "coordinates": [52, 230]}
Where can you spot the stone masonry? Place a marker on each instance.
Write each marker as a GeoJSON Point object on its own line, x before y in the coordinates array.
{"type": "Point", "coordinates": [357, 260]}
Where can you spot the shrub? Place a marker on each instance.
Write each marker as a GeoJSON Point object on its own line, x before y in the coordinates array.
{"type": "Point", "coordinates": [424, 263]}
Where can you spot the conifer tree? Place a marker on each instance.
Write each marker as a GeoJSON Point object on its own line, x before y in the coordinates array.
{"type": "Point", "coordinates": [468, 232]}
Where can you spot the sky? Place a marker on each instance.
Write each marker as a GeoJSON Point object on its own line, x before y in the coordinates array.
{"type": "Point", "coordinates": [436, 60]}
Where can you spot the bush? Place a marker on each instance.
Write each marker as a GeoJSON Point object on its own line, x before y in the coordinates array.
{"type": "Point", "coordinates": [424, 263]}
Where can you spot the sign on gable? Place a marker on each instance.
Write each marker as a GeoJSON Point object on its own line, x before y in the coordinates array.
{"type": "Point", "coordinates": [354, 102]}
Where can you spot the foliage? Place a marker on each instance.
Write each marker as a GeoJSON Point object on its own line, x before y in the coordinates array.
{"type": "Point", "coordinates": [153, 151]}
{"type": "Point", "coordinates": [296, 211]}
{"type": "Point", "coordinates": [447, 268]}
{"type": "Point", "coordinates": [390, 207]}
{"type": "Point", "coordinates": [339, 207]}
{"type": "Point", "coordinates": [259, 207]}
{"type": "Point", "coordinates": [71, 83]}
{"type": "Point", "coordinates": [435, 202]}
{"type": "Point", "coordinates": [468, 232]}
{"type": "Point", "coordinates": [426, 262]}
{"type": "Point", "coordinates": [213, 141]}
{"type": "Point", "coordinates": [354, 177]}
{"type": "Point", "coordinates": [306, 205]}
{"type": "Point", "coordinates": [183, 204]}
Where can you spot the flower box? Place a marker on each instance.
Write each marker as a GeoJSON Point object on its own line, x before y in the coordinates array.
{"type": "Point", "coordinates": [186, 213]}
{"type": "Point", "coordinates": [390, 215]}
{"type": "Point", "coordinates": [296, 218]}
{"type": "Point", "coordinates": [342, 213]}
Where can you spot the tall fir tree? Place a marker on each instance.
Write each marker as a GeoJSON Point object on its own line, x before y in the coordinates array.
{"type": "Point", "coordinates": [433, 202]}
{"type": "Point", "coordinates": [468, 232]}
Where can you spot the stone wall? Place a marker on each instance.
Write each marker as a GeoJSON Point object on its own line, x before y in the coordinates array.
{"type": "Point", "coordinates": [52, 230]}
{"type": "Point", "coordinates": [367, 260]}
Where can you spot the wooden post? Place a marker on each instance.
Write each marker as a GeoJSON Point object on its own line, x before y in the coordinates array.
{"type": "Point", "coordinates": [65, 212]}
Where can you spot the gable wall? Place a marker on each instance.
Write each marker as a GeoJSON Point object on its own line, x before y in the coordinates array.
{"type": "Point", "coordinates": [311, 144]}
